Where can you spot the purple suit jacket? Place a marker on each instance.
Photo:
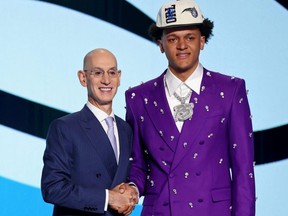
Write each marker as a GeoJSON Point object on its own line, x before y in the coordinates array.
{"type": "Point", "coordinates": [207, 169]}
{"type": "Point", "coordinates": [79, 164]}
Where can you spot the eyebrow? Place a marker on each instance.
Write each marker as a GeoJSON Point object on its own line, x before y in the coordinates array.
{"type": "Point", "coordinates": [99, 68]}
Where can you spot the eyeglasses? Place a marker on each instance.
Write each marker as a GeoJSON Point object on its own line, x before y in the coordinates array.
{"type": "Point", "coordinates": [112, 73]}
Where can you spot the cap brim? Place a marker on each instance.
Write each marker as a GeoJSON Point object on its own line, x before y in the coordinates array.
{"type": "Point", "coordinates": [179, 26]}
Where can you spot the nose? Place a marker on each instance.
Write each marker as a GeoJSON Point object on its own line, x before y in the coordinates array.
{"type": "Point", "coordinates": [106, 79]}
{"type": "Point", "coordinates": [181, 44]}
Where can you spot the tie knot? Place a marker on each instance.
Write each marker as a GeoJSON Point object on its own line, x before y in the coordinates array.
{"type": "Point", "coordinates": [109, 121]}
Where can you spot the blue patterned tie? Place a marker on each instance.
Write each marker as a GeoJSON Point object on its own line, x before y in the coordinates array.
{"type": "Point", "coordinates": [111, 135]}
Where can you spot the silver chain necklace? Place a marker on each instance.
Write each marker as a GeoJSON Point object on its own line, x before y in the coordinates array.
{"type": "Point", "coordinates": [182, 99]}
{"type": "Point", "coordinates": [183, 111]}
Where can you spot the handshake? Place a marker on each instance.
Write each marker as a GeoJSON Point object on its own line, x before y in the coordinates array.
{"type": "Point", "coordinates": [123, 198]}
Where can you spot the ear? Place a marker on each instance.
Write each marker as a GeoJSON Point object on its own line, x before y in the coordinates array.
{"type": "Point", "coordinates": [82, 78]}
{"type": "Point", "coordinates": [119, 71]}
{"type": "Point", "coordinates": [202, 42]}
{"type": "Point", "coordinates": [159, 42]}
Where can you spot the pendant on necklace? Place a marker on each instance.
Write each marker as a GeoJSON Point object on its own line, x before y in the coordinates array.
{"type": "Point", "coordinates": [183, 111]}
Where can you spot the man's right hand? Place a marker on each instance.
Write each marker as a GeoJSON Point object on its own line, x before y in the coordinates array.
{"type": "Point", "coordinates": [123, 198]}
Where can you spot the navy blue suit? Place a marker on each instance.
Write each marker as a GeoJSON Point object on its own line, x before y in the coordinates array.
{"type": "Point", "coordinates": [79, 164]}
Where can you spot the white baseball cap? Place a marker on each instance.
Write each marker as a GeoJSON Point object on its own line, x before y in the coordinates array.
{"type": "Point", "coordinates": [179, 13]}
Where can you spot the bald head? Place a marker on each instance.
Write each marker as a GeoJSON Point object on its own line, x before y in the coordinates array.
{"type": "Point", "coordinates": [98, 56]}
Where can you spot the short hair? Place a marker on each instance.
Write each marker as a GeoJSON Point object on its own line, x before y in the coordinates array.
{"type": "Point", "coordinates": [206, 29]}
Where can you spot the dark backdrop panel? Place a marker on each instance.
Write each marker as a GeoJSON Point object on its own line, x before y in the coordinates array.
{"type": "Point", "coordinates": [34, 119]}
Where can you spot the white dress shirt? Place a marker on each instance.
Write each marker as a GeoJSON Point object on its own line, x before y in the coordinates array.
{"type": "Point", "coordinates": [174, 84]}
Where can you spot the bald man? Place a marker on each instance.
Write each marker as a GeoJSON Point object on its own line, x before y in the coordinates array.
{"type": "Point", "coordinates": [84, 168]}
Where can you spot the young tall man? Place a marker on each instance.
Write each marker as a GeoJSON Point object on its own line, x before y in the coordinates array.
{"type": "Point", "coordinates": [193, 140]}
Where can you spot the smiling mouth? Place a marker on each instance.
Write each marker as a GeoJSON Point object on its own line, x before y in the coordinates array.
{"type": "Point", "coordinates": [105, 89]}
{"type": "Point", "coordinates": [182, 55]}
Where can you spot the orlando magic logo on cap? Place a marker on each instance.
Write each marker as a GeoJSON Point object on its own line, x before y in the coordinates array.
{"type": "Point", "coordinates": [193, 11]}
{"type": "Point", "coordinates": [179, 13]}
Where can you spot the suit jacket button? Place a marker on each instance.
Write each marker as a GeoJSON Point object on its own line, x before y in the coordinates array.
{"type": "Point", "coordinates": [165, 204]}
{"type": "Point", "coordinates": [200, 200]}
{"type": "Point", "coordinates": [201, 142]}
{"type": "Point", "coordinates": [172, 175]}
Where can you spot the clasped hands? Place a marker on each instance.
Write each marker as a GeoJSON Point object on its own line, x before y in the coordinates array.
{"type": "Point", "coordinates": [123, 198]}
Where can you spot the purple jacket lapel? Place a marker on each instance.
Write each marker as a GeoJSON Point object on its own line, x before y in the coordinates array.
{"type": "Point", "coordinates": [158, 109]}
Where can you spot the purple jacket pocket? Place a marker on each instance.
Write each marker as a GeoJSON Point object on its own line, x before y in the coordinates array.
{"type": "Point", "coordinates": [221, 194]}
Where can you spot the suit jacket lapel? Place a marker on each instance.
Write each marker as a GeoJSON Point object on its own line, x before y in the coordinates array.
{"type": "Point", "coordinates": [99, 139]}
{"type": "Point", "coordinates": [124, 151]}
{"type": "Point", "coordinates": [158, 109]}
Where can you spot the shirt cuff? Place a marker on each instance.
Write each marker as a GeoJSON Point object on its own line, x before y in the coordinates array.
{"type": "Point", "coordinates": [106, 200]}
{"type": "Point", "coordinates": [132, 184]}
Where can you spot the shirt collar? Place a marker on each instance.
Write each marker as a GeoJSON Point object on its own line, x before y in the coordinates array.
{"type": "Point", "coordinates": [193, 81]}
{"type": "Point", "coordinates": [98, 113]}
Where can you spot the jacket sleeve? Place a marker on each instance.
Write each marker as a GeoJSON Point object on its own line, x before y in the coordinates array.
{"type": "Point", "coordinates": [241, 154]}
{"type": "Point", "coordinates": [138, 171]}
{"type": "Point", "coordinates": [57, 185]}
